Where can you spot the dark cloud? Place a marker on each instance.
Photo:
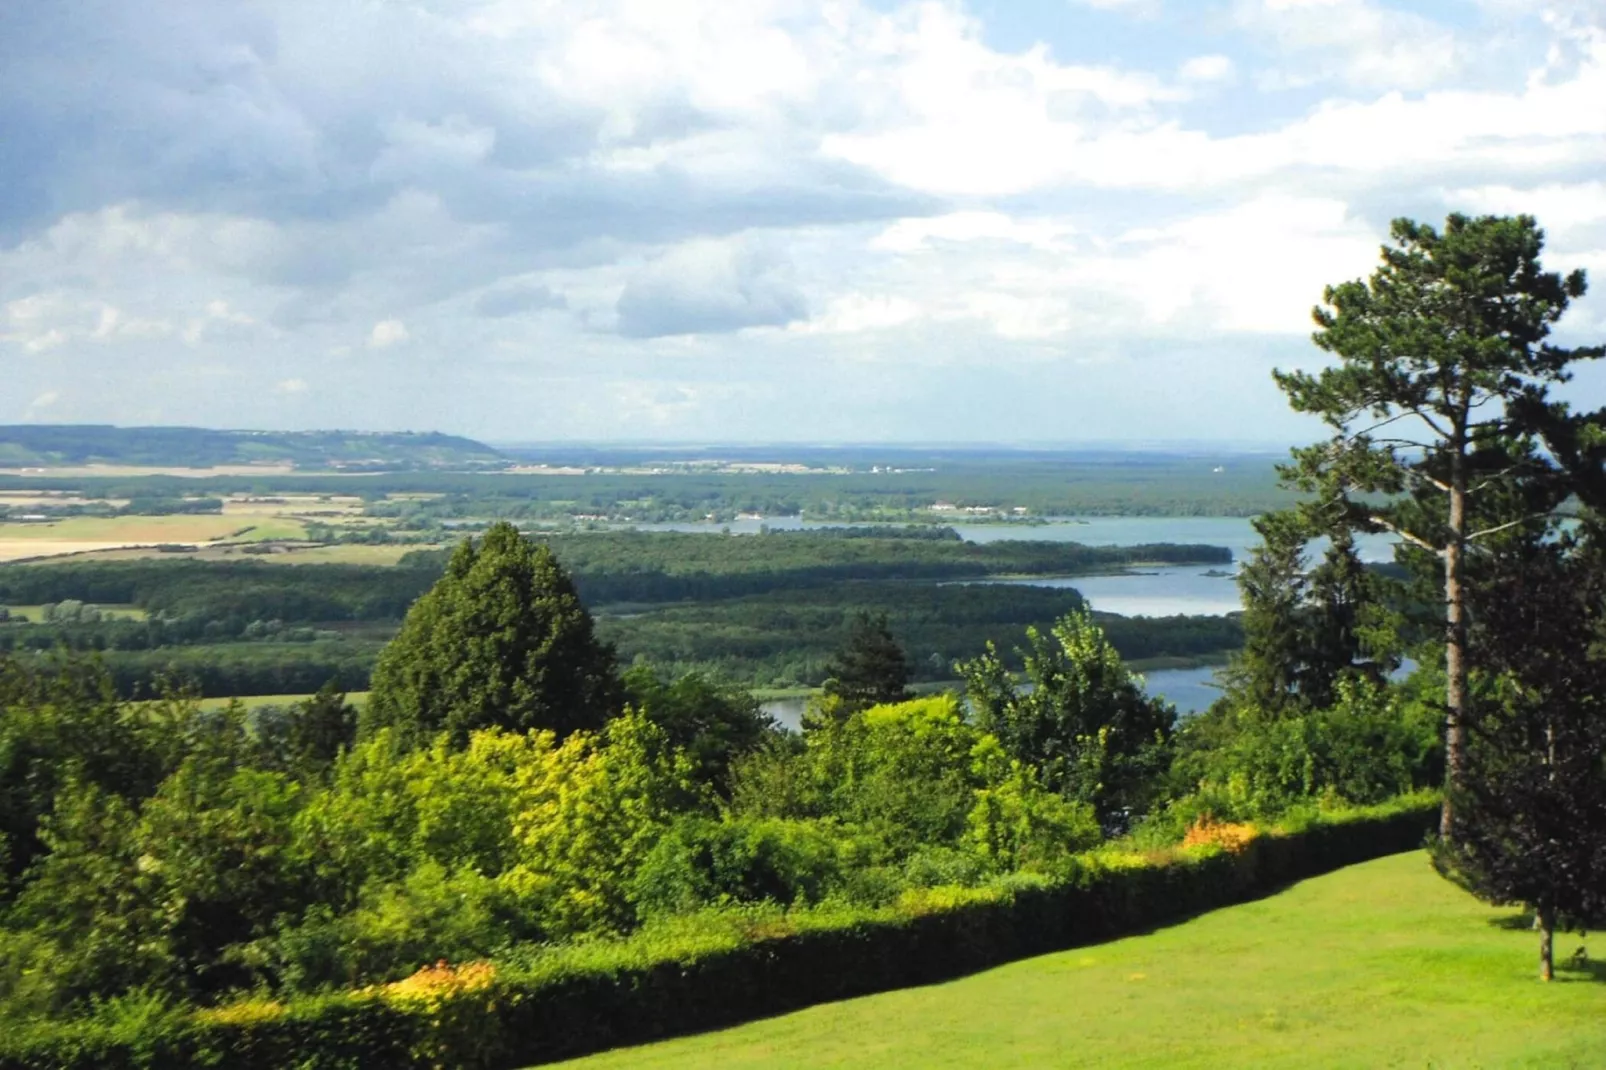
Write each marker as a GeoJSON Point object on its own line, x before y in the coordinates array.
{"type": "Point", "coordinates": [323, 114]}
{"type": "Point", "coordinates": [709, 288]}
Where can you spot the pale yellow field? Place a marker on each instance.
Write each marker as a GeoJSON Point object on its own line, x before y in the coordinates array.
{"type": "Point", "coordinates": [331, 507]}
{"type": "Point", "coordinates": [346, 554]}
{"type": "Point", "coordinates": [89, 534]}
{"type": "Point", "coordinates": [251, 702]}
{"type": "Point", "coordinates": [34, 614]}
{"type": "Point", "coordinates": [18, 500]}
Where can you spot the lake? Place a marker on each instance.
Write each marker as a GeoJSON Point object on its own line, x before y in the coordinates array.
{"type": "Point", "coordinates": [1233, 532]}
{"type": "Point", "coordinates": [1160, 591]}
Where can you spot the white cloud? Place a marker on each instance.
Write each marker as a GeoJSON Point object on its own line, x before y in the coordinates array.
{"type": "Point", "coordinates": [387, 333]}
{"type": "Point", "coordinates": [1557, 206]}
{"type": "Point", "coordinates": [738, 202]}
{"type": "Point", "coordinates": [908, 235]}
{"type": "Point", "coordinates": [40, 403]}
{"type": "Point", "coordinates": [1213, 68]}
{"type": "Point", "coordinates": [853, 313]}
{"type": "Point", "coordinates": [290, 386]}
{"type": "Point", "coordinates": [1359, 41]}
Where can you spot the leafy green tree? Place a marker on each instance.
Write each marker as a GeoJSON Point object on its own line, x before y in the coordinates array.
{"type": "Point", "coordinates": [62, 721]}
{"type": "Point", "coordinates": [1085, 723]}
{"type": "Point", "coordinates": [713, 722]}
{"type": "Point", "coordinates": [871, 668]}
{"type": "Point", "coordinates": [501, 640]}
{"type": "Point", "coordinates": [1441, 353]}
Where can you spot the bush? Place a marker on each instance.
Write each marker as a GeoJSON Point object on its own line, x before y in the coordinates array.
{"type": "Point", "coordinates": [701, 861]}
{"type": "Point", "coordinates": [1237, 764]}
{"type": "Point", "coordinates": [719, 967]}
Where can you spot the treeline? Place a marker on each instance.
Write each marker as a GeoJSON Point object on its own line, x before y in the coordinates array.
{"type": "Point", "coordinates": [768, 641]}
{"type": "Point", "coordinates": [199, 447]}
{"type": "Point", "coordinates": [225, 591]}
{"type": "Point", "coordinates": [631, 566]}
{"type": "Point", "coordinates": [1045, 484]}
{"type": "Point", "coordinates": [609, 567]}
{"type": "Point", "coordinates": [786, 639]}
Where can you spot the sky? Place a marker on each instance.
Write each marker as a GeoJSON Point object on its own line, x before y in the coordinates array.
{"type": "Point", "coordinates": [1045, 221]}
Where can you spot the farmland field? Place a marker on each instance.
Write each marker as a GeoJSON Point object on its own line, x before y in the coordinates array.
{"type": "Point", "coordinates": [1381, 964]}
{"type": "Point", "coordinates": [94, 533]}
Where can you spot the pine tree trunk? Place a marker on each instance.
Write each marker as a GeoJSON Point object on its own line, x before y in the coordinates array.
{"type": "Point", "coordinates": [1455, 639]}
{"type": "Point", "coordinates": [1547, 930]}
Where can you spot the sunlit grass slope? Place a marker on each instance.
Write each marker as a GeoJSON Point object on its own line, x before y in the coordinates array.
{"type": "Point", "coordinates": [1382, 964]}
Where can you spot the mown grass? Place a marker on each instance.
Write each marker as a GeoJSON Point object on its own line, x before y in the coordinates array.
{"type": "Point", "coordinates": [1382, 964]}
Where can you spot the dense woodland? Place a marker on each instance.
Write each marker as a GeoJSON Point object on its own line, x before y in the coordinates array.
{"type": "Point", "coordinates": [762, 610]}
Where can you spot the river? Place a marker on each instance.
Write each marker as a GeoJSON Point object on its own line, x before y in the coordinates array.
{"type": "Point", "coordinates": [1190, 690]}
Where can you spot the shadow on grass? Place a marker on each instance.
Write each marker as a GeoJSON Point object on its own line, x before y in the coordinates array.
{"type": "Point", "coordinates": [1570, 966]}
{"type": "Point", "coordinates": [1521, 920]}
{"type": "Point", "coordinates": [1574, 968]}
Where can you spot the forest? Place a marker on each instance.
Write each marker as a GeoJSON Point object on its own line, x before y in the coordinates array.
{"type": "Point", "coordinates": [765, 611]}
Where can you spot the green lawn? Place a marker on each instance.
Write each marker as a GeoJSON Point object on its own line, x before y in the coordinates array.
{"type": "Point", "coordinates": [1378, 965]}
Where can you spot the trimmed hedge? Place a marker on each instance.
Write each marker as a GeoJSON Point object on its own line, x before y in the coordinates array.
{"type": "Point", "coordinates": [707, 971]}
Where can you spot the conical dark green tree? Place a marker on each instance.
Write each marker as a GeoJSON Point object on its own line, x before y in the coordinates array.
{"type": "Point", "coordinates": [871, 668]}
{"type": "Point", "coordinates": [1264, 674]}
{"type": "Point", "coordinates": [1532, 809]}
{"type": "Point", "coordinates": [501, 640]}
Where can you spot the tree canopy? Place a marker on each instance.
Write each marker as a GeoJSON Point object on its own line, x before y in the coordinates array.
{"type": "Point", "coordinates": [501, 640]}
{"type": "Point", "coordinates": [871, 668]}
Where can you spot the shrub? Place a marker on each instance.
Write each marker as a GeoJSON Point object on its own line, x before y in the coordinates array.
{"type": "Point", "coordinates": [718, 967]}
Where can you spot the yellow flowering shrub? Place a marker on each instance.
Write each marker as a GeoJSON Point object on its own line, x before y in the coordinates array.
{"type": "Point", "coordinates": [1230, 837]}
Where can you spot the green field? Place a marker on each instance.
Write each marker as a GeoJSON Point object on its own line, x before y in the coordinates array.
{"type": "Point", "coordinates": [35, 614]}
{"type": "Point", "coordinates": [1382, 964]}
{"type": "Point", "coordinates": [251, 702]}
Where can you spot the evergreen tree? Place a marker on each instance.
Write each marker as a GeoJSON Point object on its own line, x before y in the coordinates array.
{"type": "Point", "coordinates": [870, 669]}
{"type": "Point", "coordinates": [1264, 674]}
{"type": "Point", "coordinates": [1305, 630]}
{"type": "Point", "coordinates": [1443, 368]}
{"type": "Point", "coordinates": [501, 640]}
{"type": "Point", "coordinates": [1531, 806]}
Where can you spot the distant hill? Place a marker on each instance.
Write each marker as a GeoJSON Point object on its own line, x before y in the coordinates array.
{"type": "Point", "coordinates": [56, 445]}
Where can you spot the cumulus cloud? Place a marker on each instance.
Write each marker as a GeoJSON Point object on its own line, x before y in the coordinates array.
{"type": "Point", "coordinates": [710, 287]}
{"type": "Point", "coordinates": [1212, 68]}
{"type": "Point", "coordinates": [387, 333]}
{"type": "Point", "coordinates": [877, 199]}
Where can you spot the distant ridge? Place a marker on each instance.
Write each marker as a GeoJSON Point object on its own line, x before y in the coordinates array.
{"type": "Point", "coordinates": [59, 445]}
